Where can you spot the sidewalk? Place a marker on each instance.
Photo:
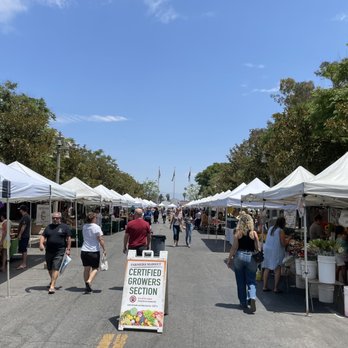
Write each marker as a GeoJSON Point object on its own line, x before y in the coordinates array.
{"type": "Point", "coordinates": [203, 305]}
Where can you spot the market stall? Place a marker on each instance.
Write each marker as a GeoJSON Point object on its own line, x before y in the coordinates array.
{"type": "Point", "coordinates": [329, 188]}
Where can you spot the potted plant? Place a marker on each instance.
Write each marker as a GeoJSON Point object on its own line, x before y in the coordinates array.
{"type": "Point", "coordinates": [324, 247]}
{"type": "Point", "coordinates": [326, 251]}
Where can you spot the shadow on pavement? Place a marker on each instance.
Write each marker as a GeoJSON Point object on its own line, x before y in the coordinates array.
{"type": "Point", "coordinates": [291, 300]}
{"type": "Point", "coordinates": [118, 288]}
{"type": "Point", "coordinates": [33, 261]}
{"type": "Point", "coordinates": [215, 245]}
{"type": "Point", "coordinates": [229, 305]}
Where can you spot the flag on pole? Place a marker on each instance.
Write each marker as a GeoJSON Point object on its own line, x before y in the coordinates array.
{"type": "Point", "coordinates": [189, 176]}
{"type": "Point", "coordinates": [173, 177]}
{"type": "Point", "coordinates": [159, 173]}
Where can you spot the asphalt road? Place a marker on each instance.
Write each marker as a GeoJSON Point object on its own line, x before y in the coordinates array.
{"type": "Point", "coordinates": [202, 298]}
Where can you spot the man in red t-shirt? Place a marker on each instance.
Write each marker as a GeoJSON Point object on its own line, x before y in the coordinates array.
{"type": "Point", "coordinates": [137, 235]}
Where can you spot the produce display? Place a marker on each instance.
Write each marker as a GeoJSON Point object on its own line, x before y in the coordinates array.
{"type": "Point", "coordinates": [146, 317]}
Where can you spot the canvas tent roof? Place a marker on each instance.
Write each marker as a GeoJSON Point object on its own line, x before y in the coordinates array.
{"type": "Point", "coordinates": [297, 177]}
{"type": "Point", "coordinates": [22, 188]}
{"type": "Point", "coordinates": [329, 188]}
{"type": "Point", "coordinates": [58, 192]}
{"type": "Point", "coordinates": [234, 199]}
{"type": "Point", "coordinates": [84, 193]}
{"type": "Point", "coordinates": [106, 194]}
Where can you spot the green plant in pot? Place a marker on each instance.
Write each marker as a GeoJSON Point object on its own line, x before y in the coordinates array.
{"type": "Point", "coordinates": [325, 247]}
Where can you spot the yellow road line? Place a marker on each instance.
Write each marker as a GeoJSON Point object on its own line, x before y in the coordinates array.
{"type": "Point", "coordinates": [120, 341]}
{"type": "Point", "coordinates": [106, 340]}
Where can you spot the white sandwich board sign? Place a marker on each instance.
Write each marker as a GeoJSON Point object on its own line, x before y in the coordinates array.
{"type": "Point", "coordinates": [144, 291]}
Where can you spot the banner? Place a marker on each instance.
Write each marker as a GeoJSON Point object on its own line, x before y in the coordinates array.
{"type": "Point", "coordinates": [43, 214]}
{"type": "Point", "coordinates": [143, 297]}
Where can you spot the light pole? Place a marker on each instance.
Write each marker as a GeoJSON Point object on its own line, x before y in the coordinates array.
{"type": "Point", "coordinates": [59, 147]}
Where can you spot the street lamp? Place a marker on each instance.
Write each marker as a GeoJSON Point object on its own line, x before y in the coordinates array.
{"type": "Point", "coordinates": [59, 146]}
{"type": "Point", "coordinates": [264, 160]}
{"type": "Point", "coordinates": [62, 145]}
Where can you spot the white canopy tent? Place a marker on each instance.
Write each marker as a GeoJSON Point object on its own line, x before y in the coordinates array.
{"type": "Point", "coordinates": [234, 199]}
{"type": "Point", "coordinates": [58, 192]}
{"type": "Point", "coordinates": [106, 194]}
{"type": "Point", "coordinates": [18, 187]}
{"type": "Point", "coordinates": [294, 180]}
{"type": "Point", "coordinates": [129, 199]}
{"type": "Point", "coordinates": [122, 201]}
{"type": "Point", "coordinates": [329, 188]}
{"type": "Point", "coordinates": [84, 193]}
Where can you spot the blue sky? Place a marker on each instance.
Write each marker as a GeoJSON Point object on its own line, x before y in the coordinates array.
{"type": "Point", "coordinates": [165, 83]}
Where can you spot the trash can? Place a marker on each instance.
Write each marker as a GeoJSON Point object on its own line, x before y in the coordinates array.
{"type": "Point", "coordinates": [158, 243]}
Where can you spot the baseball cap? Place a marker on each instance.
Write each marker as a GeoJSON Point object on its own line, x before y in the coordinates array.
{"type": "Point", "coordinates": [23, 207]}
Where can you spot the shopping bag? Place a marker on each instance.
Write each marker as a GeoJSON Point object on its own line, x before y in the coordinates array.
{"type": "Point", "coordinates": [66, 260]}
{"type": "Point", "coordinates": [104, 265]}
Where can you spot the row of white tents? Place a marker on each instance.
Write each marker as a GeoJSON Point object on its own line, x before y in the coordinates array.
{"type": "Point", "coordinates": [30, 186]}
{"type": "Point", "coordinates": [298, 190]}
{"type": "Point", "coordinates": [19, 183]}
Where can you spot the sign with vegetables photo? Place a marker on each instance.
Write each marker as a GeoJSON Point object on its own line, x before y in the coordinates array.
{"type": "Point", "coordinates": [143, 296]}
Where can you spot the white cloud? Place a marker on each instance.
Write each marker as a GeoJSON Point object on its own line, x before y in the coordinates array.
{"type": "Point", "coordinates": [57, 3]}
{"type": "Point", "coordinates": [9, 9]}
{"type": "Point", "coordinates": [93, 118]}
{"type": "Point", "coordinates": [342, 17]}
{"type": "Point", "coordinates": [254, 66]}
{"type": "Point", "coordinates": [162, 10]}
{"type": "Point", "coordinates": [265, 90]}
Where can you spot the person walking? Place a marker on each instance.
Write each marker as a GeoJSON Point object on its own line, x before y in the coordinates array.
{"type": "Point", "coordinates": [274, 253]}
{"type": "Point", "coordinates": [90, 251]}
{"type": "Point", "coordinates": [137, 235]}
{"type": "Point", "coordinates": [3, 240]}
{"type": "Point", "coordinates": [244, 245]}
{"type": "Point", "coordinates": [164, 215]}
{"type": "Point", "coordinates": [56, 239]}
{"type": "Point", "coordinates": [23, 235]}
{"type": "Point", "coordinates": [176, 223]}
{"type": "Point", "coordinates": [188, 229]}
{"type": "Point", "coordinates": [155, 215]}
{"type": "Point", "coordinates": [148, 215]}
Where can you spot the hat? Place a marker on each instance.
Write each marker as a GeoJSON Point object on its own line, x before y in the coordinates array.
{"type": "Point", "coordinates": [23, 207]}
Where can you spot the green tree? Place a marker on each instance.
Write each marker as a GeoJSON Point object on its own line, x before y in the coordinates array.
{"type": "Point", "coordinates": [193, 192]}
{"type": "Point", "coordinates": [25, 135]}
{"type": "Point", "coordinates": [151, 191]}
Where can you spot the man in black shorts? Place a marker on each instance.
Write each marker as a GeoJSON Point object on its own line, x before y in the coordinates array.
{"type": "Point", "coordinates": [23, 235]}
{"type": "Point", "coordinates": [57, 240]}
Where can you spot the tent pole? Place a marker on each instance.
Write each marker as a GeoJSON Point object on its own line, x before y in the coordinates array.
{"type": "Point", "coordinates": [77, 230]}
{"type": "Point", "coordinates": [8, 240]}
{"type": "Point", "coordinates": [306, 256]}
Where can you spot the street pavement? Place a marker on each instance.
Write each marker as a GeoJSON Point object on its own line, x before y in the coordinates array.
{"type": "Point", "coordinates": [202, 298]}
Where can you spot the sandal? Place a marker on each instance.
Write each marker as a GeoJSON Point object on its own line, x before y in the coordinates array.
{"type": "Point", "coordinates": [21, 267]}
{"type": "Point", "coordinates": [51, 291]}
{"type": "Point", "coordinates": [265, 290]}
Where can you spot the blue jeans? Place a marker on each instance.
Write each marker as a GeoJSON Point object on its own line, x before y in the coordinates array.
{"type": "Point", "coordinates": [245, 270]}
{"type": "Point", "coordinates": [188, 233]}
{"type": "Point", "coordinates": [176, 231]}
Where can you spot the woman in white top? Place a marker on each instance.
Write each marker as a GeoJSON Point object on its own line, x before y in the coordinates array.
{"type": "Point", "coordinates": [90, 251]}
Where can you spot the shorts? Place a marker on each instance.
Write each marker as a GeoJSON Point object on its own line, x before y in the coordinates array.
{"type": "Point", "coordinates": [23, 245]}
{"type": "Point", "coordinates": [139, 249]}
{"type": "Point", "coordinates": [54, 259]}
{"type": "Point", "coordinates": [90, 259]}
